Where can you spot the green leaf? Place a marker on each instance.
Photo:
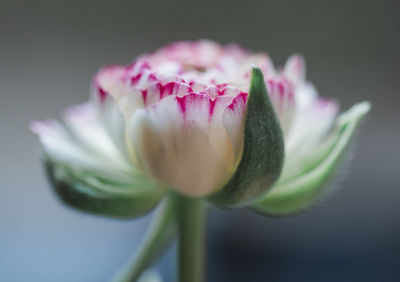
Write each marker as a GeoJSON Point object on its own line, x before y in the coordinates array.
{"type": "Point", "coordinates": [263, 151]}
{"type": "Point", "coordinates": [159, 236]}
{"type": "Point", "coordinates": [87, 192]}
{"type": "Point", "coordinates": [299, 193]}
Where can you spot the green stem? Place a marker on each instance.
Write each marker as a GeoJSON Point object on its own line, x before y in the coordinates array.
{"type": "Point", "coordinates": [191, 239]}
{"type": "Point", "coordinates": [158, 237]}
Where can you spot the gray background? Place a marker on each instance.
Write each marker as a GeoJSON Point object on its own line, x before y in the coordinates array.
{"type": "Point", "coordinates": [49, 51]}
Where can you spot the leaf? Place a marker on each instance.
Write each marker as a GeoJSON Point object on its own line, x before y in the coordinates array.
{"type": "Point", "coordinates": [299, 193]}
{"type": "Point", "coordinates": [263, 151]}
{"type": "Point", "coordinates": [89, 193]}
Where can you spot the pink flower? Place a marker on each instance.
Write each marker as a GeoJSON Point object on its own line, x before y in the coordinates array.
{"type": "Point", "coordinates": [176, 117]}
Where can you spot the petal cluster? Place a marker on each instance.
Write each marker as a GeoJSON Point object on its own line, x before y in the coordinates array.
{"type": "Point", "coordinates": [186, 133]}
{"type": "Point", "coordinates": [175, 118]}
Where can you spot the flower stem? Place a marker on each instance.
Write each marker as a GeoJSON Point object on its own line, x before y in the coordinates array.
{"type": "Point", "coordinates": [161, 233]}
{"type": "Point", "coordinates": [191, 239]}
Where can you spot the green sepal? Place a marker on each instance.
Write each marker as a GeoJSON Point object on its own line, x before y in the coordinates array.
{"type": "Point", "coordinates": [299, 193]}
{"type": "Point", "coordinates": [162, 231]}
{"type": "Point", "coordinates": [263, 150]}
{"type": "Point", "coordinates": [86, 192]}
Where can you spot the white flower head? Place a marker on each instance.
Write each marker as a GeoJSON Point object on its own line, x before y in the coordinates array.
{"type": "Point", "coordinates": [176, 118]}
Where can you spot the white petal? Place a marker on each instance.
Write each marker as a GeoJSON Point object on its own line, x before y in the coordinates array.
{"type": "Point", "coordinates": [180, 142]}
{"type": "Point", "coordinates": [297, 193]}
{"type": "Point", "coordinates": [169, 69]}
{"type": "Point", "coordinates": [311, 125]}
{"type": "Point", "coordinates": [111, 117]}
{"type": "Point", "coordinates": [264, 62]}
{"type": "Point", "coordinates": [282, 97]}
{"type": "Point", "coordinates": [305, 95]}
{"type": "Point", "coordinates": [62, 148]}
{"type": "Point", "coordinates": [58, 144]}
{"type": "Point", "coordinates": [82, 121]}
{"type": "Point", "coordinates": [295, 69]}
{"type": "Point", "coordinates": [233, 120]}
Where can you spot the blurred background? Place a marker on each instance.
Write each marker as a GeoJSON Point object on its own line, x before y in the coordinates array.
{"type": "Point", "coordinates": [49, 51]}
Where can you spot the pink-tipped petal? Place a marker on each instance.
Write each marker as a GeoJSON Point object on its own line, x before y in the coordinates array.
{"type": "Point", "coordinates": [282, 97]}
{"type": "Point", "coordinates": [196, 55]}
{"type": "Point", "coordinates": [295, 69]}
{"type": "Point", "coordinates": [109, 81]}
{"type": "Point", "coordinates": [233, 121]}
{"type": "Point", "coordinates": [181, 142]}
{"type": "Point", "coordinates": [264, 62]}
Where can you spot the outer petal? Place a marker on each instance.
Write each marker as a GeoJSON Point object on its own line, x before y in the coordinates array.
{"type": "Point", "coordinates": [91, 181]}
{"type": "Point", "coordinates": [181, 142]}
{"type": "Point", "coordinates": [83, 124]}
{"type": "Point", "coordinates": [299, 193]}
{"type": "Point", "coordinates": [60, 146]}
{"type": "Point", "coordinates": [309, 137]}
{"type": "Point", "coordinates": [71, 146]}
{"type": "Point", "coordinates": [108, 111]}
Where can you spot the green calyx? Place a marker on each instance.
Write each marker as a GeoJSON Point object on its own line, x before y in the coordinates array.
{"type": "Point", "coordinates": [263, 151]}
{"type": "Point", "coordinates": [89, 193]}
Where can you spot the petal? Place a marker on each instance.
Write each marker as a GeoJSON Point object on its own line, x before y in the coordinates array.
{"type": "Point", "coordinates": [83, 123]}
{"type": "Point", "coordinates": [295, 69]}
{"type": "Point", "coordinates": [78, 144]}
{"type": "Point", "coordinates": [123, 84]}
{"type": "Point", "coordinates": [181, 142]}
{"type": "Point", "coordinates": [110, 115]}
{"type": "Point", "coordinates": [88, 180]}
{"type": "Point", "coordinates": [305, 95]}
{"type": "Point", "coordinates": [197, 54]}
{"type": "Point", "coordinates": [264, 62]}
{"type": "Point", "coordinates": [168, 69]}
{"type": "Point", "coordinates": [153, 93]}
{"type": "Point", "coordinates": [297, 194]}
{"type": "Point", "coordinates": [233, 120]}
{"type": "Point", "coordinates": [109, 80]}
{"type": "Point", "coordinates": [310, 124]}
{"type": "Point", "coordinates": [282, 98]}
{"type": "Point", "coordinates": [58, 144]}
{"type": "Point", "coordinates": [61, 147]}
{"type": "Point", "coordinates": [196, 85]}
{"type": "Point", "coordinates": [309, 139]}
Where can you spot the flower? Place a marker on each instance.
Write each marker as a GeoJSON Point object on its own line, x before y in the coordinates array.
{"type": "Point", "coordinates": [195, 117]}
